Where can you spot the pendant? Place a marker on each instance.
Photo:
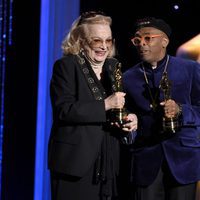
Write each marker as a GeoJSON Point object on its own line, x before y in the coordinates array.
{"type": "Point", "coordinates": [153, 106]}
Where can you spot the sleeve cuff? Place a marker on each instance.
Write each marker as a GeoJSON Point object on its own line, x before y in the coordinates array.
{"type": "Point", "coordinates": [129, 138]}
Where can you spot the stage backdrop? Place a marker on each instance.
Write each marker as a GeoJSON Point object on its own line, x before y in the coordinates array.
{"type": "Point", "coordinates": [56, 19]}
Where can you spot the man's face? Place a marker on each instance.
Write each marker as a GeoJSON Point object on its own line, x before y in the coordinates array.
{"type": "Point", "coordinates": [150, 43]}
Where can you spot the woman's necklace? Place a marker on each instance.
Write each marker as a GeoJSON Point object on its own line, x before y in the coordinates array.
{"type": "Point", "coordinates": [153, 103]}
{"type": "Point", "coordinates": [97, 70]}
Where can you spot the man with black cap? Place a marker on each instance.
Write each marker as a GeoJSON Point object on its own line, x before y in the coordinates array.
{"type": "Point", "coordinates": [164, 92]}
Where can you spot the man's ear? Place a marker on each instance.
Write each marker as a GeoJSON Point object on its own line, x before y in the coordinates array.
{"type": "Point", "coordinates": [165, 42]}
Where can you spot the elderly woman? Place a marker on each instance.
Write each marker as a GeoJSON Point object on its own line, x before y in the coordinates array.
{"type": "Point", "coordinates": [83, 146]}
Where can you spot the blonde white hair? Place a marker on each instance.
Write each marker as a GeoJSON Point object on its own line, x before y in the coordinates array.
{"type": "Point", "coordinates": [75, 39]}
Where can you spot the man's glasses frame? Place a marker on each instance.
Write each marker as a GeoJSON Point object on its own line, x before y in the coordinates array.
{"type": "Point", "coordinates": [146, 38]}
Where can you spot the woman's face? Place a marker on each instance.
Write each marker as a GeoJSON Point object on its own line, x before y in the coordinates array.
{"type": "Point", "coordinates": [99, 42]}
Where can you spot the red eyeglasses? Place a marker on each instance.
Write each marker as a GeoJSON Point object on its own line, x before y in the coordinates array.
{"type": "Point", "coordinates": [147, 39]}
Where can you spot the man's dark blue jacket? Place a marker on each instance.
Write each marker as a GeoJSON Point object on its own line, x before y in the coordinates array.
{"type": "Point", "coordinates": [182, 149]}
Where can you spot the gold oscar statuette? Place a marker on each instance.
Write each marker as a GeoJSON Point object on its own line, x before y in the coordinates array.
{"type": "Point", "coordinates": [118, 115]}
{"type": "Point", "coordinates": [169, 124]}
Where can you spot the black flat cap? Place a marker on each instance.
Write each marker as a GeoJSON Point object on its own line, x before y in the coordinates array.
{"type": "Point", "coordinates": [153, 22]}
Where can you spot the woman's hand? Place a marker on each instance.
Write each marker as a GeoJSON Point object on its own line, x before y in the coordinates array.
{"type": "Point", "coordinates": [132, 123]}
{"type": "Point", "coordinates": [116, 100]}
